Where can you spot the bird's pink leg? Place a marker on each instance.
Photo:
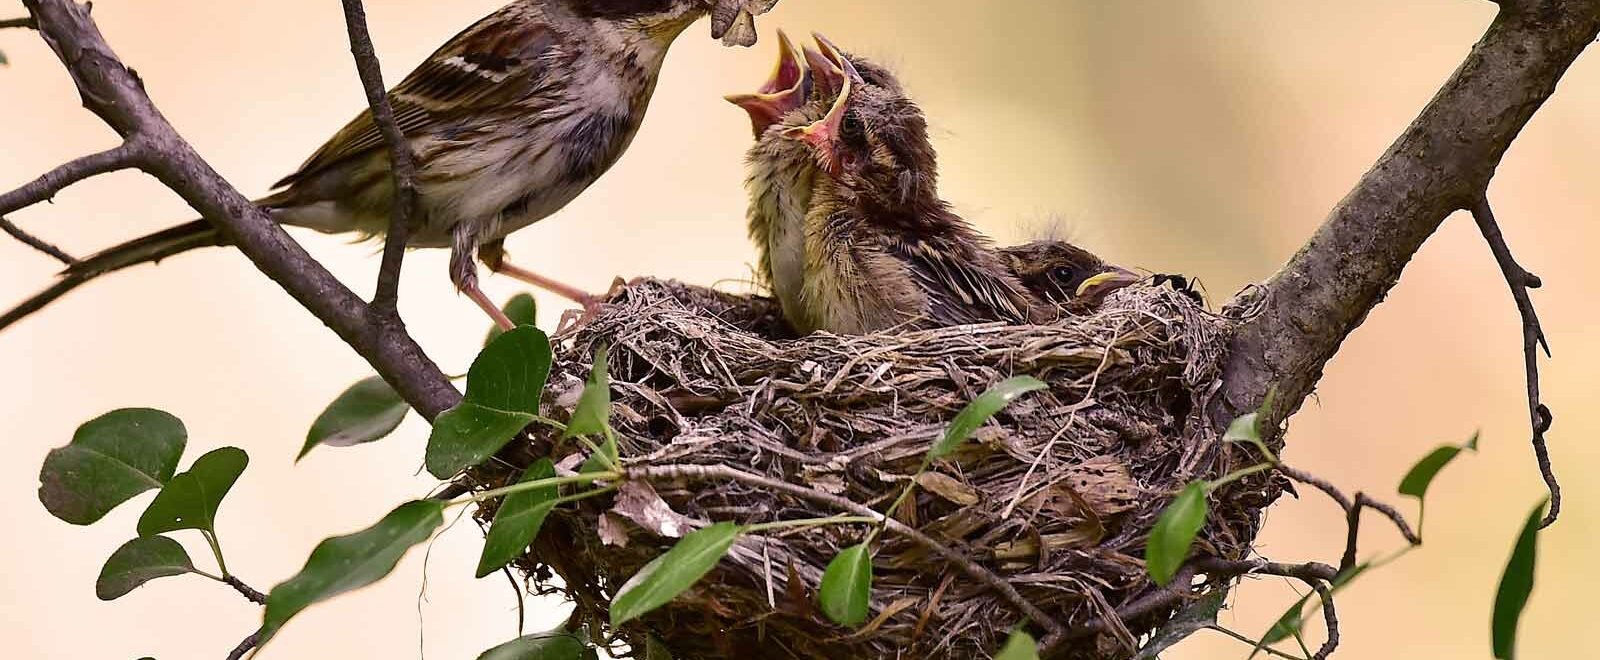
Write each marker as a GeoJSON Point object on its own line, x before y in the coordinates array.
{"type": "Point", "coordinates": [488, 306]}
{"type": "Point", "coordinates": [464, 273]}
{"type": "Point", "coordinates": [591, 303]}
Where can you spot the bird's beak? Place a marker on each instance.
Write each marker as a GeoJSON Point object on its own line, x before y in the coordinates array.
{"type": "Point", "coordinates": [830, 67]}
{"type": "Point", "coordinates": [1096, 288]}
{"type": "Point", "coordinates": [785, 90]}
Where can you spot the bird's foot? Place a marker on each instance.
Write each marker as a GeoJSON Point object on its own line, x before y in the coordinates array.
{"type": "Point", "coordinates": [574, 320]}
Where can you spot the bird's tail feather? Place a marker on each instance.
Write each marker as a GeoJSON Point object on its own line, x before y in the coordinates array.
{"type": "Point", "coordinates": [145, 249]}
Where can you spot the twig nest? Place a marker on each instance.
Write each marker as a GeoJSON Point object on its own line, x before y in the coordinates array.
{"type": "Point", "coordinates": [1056, 496]}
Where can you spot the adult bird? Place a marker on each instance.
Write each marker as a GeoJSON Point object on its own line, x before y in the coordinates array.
{"type": "Point", "coordinates": [510, 120]}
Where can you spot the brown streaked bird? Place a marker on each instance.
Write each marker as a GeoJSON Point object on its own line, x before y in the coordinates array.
{"type": "Point", "coordinates": [782, 170]}
{"type": "Point", "coordinates": [882, 249]}
{"type": "Point", "coordinates": [1072, 278]}
{"type": "Point", "coordinates": [510, 120]}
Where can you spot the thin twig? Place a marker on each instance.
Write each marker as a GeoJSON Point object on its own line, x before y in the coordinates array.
{"type": "Point", "coordinates": [19, 23]}
{"type": "Point", "coordinates": [1265, 649]}
{"type": "Point", "coordinates": [44, 188]}
{"type": "Point", "coordinates": [1520, 281]}
{"type": "Point", "coordinates": [968, 566]}
{"type": "Point", "coordinates": [245, 646]}
{"type": "Point", "coordinates": [36, 243]}
{"type": "Point", "coordinates": [401, 163]}
{"type": "Point", "coordinates": [1330, 620]}
{"type": "Point", "coordinates": [245, 590]}
{"type": "Point", "coordinates": [1352, 509]}
{"type": "Point", "coordinates": [1234, 567]}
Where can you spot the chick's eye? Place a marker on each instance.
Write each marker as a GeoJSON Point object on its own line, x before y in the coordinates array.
{"type": "Point", "coordinates": [1062, 274]}
{"type": "Point", "coordinates": [852, 129]}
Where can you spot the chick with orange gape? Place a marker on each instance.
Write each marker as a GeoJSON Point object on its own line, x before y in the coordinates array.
{"type": "Point", "coordinates": [846, 216]}
{"type": "Point", "coordinates": [510, 121]}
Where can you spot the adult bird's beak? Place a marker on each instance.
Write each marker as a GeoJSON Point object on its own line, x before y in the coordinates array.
{"type": "Point", "coordinates": [785, 90]}
{"type": "Point", "coordinates": [831, 65]}
{"type": "Point", "coordinates": [1096, 288]}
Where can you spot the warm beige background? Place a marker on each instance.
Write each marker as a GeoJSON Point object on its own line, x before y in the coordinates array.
{"type": "Point", "coordinates": [1202, 137]}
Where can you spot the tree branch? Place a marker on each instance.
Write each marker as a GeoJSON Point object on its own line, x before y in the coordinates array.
{"type": "Point", "coordinates": [245, 590]}
{"type": "Point", "coordinates": [1440, 164]}
{"type": "Point", "coordinates": [18, 23]}
{"type": "Point", "coordinates": [245, 646]}
{"type": "Point", "coordinates": [43, 189]}
{"type": "Point", "coordinates": [1520, 281]}
{"type": "Point", "coordinates": [116, 95]}
{"type": "Point", "coordinates": [35, 242]}
{"type": "Point", "coordinates": [401, 163]}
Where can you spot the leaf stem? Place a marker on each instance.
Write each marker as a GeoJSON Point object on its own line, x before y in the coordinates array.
{"type": "Point", "coordinates": [810, 522]}
{"type": "Point", "coordinates": [216, 550]}
{"type": "Point", "coordinates": [1238, 474]}
{"type": "Point", "coordinates": [536, 484]}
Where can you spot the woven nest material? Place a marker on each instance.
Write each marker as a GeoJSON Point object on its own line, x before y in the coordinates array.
{"type": "Point", "coordinates": [1056, 496]}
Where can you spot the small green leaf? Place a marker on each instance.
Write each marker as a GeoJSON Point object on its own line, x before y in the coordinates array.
{"type": "Point", "coordinates": [344, 563]}
{"type": "Point", "coordinates": [111, 458]}
{"type": "Point", "coordinates": [553, 645]}
{"type": "Point", "coordinates": [672, 573]}
{"type": "Point", "coordinates": [190, 500]}
{"type": "Point", "coordinates": [517, 521]}
{"type": "Point", "coordinates": [469, 434]}
{"type": "Point", "coordinates": [1195, 616]}
{"type": "Point", "coordinates": [509, 373]}
{"type": "Point", "coordinates": [1246, 428]}
{"type": "Point", "coordinates": [980, 410]}
{"type": "Point", "coordinates": [3, 60]}
{"type": "Point", "coordinates": [1516, 585]}
{"type": "Point", "coordinates": [604, 459]}
{"type": "Point", "coordinates": [139, 561]}
{"type": "Point", "coordinates": [366, 412]}
{"type": "Point", "coordinates": [1019, 646]}
{"type": "Point", "coordinates": [845, 594]}
{"type": "Point", "coordinates": [593, 413]}
{"type": "Point", "coordinates": [521, 309]}
{"type": "Point", "coordinates": [1174, 532]}
{"type": "Point", "coordinates": [1416, 482]}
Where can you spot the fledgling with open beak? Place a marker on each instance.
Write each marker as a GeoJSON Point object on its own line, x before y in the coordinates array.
{"type": "Point", "coordinates": [882, 250]}
{"type": "Point", "coordinates": [510, 120]}
{"type": "Point", "coordinates": [800, 91]}
{"type": "Point", "coordinates": [1070, 277]}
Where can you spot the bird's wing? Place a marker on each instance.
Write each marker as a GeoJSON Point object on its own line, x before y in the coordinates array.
{"type": "Point", "coordinates": [499, 59]}
{"type": "Point", "coordinates": [964, 284]}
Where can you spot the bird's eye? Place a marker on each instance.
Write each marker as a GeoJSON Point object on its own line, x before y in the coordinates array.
{"type": "Point", "coordinates": [852, 130]}
{"type": "Point", "coordinates": [1062, 274]}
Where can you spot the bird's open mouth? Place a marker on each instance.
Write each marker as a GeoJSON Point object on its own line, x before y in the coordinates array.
{"type": "Point", "coordinates": [785, 90]}
{"type": "Point", "coordinates": [831, 70]}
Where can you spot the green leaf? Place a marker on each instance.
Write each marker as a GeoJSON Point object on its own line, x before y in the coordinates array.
{"type": "Point", "coordinates": [521, 309]}
{"type": "Point", "coordinates": [1416, 482]}
{"type": "Point", "coordinates": [672, 573]}
{"type": "Point", "coordinates": [1516, 585]}
{"type": "Point", "coordinates": [1174, 532]}
{"type": "Point", "coordinates": [366, 412]}
{"type": "Point", "coordinates": [469, 434]}
{"type": "Point", "coordinates": [344, 563]}
{"type": "Point", "coordinates": [553, 645]}
{"type": "Point", "coordinates": [139, 561]}
{"type": "Point", "coordinates": [980, 410]}
{"type": "Point", "coordinates": [509, 374]}
{"type": "Point", "coordinates": [846, 589]}
{"type": "Point", "coordinates": [3, 60]}
{"type": "Point", "coordinates": [190, 500]}
{"type": "Point", "coordinates": [517, 521]}
{"type": "Point", "coordinates": [593, 413]}
{"type": "Point", "coordinates": [1019, 646]}
{"type": "Point", "coordinates": [1246, 428]}
{"type": "Point", "coordinates": [1194, 617]}
{"type": "Point", "coordinates": [604, 459]}
{"type": "Point", "coordinates": [111, 458]}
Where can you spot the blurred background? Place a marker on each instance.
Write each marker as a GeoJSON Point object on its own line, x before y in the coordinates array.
{"type": "Point", "coordinates": [1201, 137]}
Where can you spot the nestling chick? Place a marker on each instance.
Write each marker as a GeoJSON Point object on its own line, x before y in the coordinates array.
{"type": "Point", "coordinates": [782, 171]}
{"type": "Point", "coordinates": [1072, 278]}
{"type": "Point", "coordinates": [510, 120]}
{"type": "Point", "coordinates": [882, 250]}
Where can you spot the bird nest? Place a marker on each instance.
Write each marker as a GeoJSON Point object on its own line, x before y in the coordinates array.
{"type": "Point", "coordinates": [1056, 496]}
